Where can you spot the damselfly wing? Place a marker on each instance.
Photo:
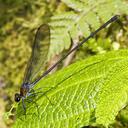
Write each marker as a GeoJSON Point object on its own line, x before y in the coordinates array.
{"type": "Point", "coordinates": [37, 61]}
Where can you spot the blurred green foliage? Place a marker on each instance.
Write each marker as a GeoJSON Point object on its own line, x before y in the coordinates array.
{"type": "Point", "coordinates": [18, 22]}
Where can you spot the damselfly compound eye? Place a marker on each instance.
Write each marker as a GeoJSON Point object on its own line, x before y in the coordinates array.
{"type": "Point", "coordinates": [17, 97]}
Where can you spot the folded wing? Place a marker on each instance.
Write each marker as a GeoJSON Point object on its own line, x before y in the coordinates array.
{"type": "Point", "coordinates": [38, 58]}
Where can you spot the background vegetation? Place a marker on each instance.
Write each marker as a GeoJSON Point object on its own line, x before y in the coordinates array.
{"type": "Point", "coordinates": [18, 22]}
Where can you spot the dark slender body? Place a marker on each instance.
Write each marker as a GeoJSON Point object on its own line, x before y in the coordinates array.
{"type": "Point", "coordinates": [114, 18]}
{"type": "Point", "coordinates": [26, 87]}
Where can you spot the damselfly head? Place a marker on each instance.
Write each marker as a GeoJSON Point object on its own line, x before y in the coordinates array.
{"type": "Point", "coordinates": [17, 97]}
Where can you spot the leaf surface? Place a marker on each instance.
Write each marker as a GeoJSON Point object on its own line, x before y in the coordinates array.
{"type": "Point", "coordinates": [90, 91]}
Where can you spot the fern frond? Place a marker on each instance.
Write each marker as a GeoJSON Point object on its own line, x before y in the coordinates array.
{"type": "Point", "coordinates": [87, 16]}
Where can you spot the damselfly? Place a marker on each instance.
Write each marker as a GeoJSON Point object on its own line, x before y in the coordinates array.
{"type": "Point", "coordinates": [39, 56]}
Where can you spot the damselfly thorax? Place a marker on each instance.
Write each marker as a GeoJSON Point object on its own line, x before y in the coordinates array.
{"type": "Point", "coordinates": [24, 92]}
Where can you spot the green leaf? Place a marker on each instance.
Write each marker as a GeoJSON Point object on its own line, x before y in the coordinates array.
{"type": "Point", "coordinates": [91, 91]}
